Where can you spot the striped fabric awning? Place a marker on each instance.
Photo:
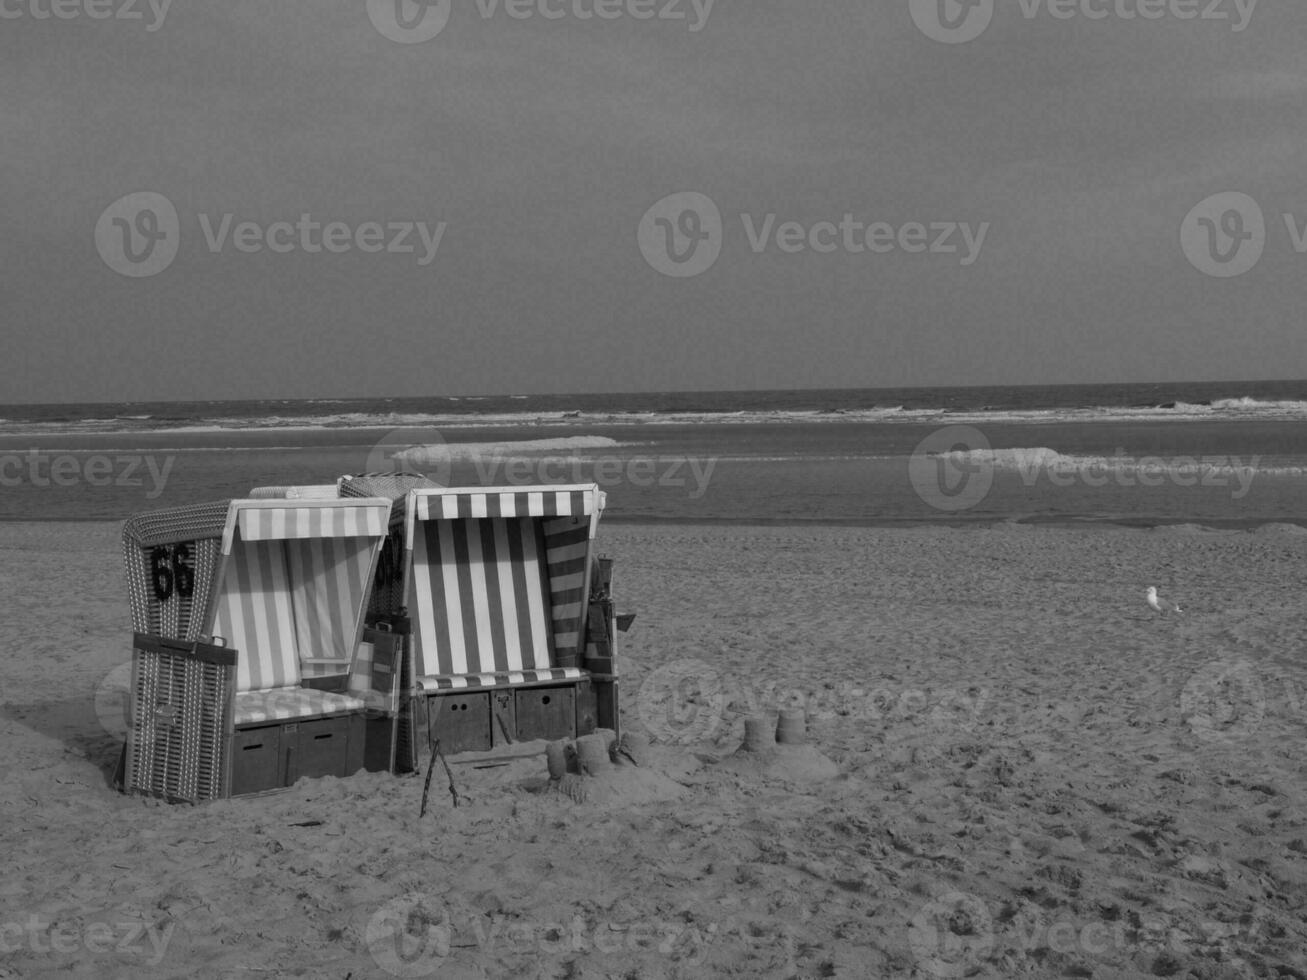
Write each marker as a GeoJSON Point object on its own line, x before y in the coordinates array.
{"type": "Point", "coordinates": [281, 601]}
{"type": "Point", "coordinates": [295, 583]}
{"type": "Point", "coordinates": [329, 581]}
{"type": "Point", "coordinates": [260, 520]}
{"type": "Point", "coordinates": [254, 615]}
{"type": "Point", "coordinates": [479, 597]}
{"type": "Point", "coordinates": [497, 577]}
{"type": "Point", "coordinates": [570, 501]}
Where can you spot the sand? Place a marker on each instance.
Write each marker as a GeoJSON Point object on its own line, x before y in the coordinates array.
{"type": "Point", "coordinates": [1013, 769]}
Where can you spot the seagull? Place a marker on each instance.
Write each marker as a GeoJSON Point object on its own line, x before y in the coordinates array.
{"type": "Point", "coordinates": [1162, 606]}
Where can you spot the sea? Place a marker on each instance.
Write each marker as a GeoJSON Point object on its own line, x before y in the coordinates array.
{"type": "Point", "coordinates": [1218, 454]}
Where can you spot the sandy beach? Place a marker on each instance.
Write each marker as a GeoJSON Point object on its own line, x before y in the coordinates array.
{"type": "Point", "coordinates": [1015, 768]}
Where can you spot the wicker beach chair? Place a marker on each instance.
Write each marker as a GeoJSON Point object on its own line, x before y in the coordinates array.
{"type": "Point", "coordinates": [326, 491]}
{"type": "Point", "coordinates": [252, 666]}
{"type": "Point", "coordinates": [507, 615]}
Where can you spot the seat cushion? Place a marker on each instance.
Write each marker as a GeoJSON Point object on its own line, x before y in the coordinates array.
{"type": "Point", "coordinates": [455, 682]}
{"type": "Point", "coordinates": [289, 703]}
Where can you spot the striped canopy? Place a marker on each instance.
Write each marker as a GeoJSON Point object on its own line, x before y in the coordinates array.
{"type": "Point", "coordinates": [295, 582]}
{"type": "Point", "coordinates": [496, 579]}
{"type": "Point", "coordinates": [278, 520]}
{"type": "Point", "coordinates": [572, 501]}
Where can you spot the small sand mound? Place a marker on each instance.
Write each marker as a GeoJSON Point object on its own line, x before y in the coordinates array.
{"type": "Point", "coordinates": [1182, 529]}
{"type": "Point", "coordinates": [797, 763]}
{"type": "Point", "coordinates": [1278, 527]}
{"type": "Point", "coordinates": [604, 769]}
{"type": "Point", "coordinates": [621, 785]}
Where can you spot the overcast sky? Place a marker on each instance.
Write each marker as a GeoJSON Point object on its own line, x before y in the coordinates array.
{"type": "Point", "coordinates": [1065, 154]}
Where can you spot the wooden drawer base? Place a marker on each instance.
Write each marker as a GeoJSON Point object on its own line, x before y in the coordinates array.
{"type": "Point", "coordinates": [269, 757]}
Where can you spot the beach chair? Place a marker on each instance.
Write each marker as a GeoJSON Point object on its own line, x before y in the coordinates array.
{"type": "Point", "coordinates": [507, 617]}
{"type": "Point", "coordinates": [325, 491]}
{"type": "Point", "coordinates": [252, 666]}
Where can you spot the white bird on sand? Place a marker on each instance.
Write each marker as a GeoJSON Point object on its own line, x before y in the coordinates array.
{"type": "Point", "coordinates": [1162, 606]}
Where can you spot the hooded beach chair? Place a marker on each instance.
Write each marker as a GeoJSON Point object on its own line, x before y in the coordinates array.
{"type": "Point", "coordinates": [507, 615]}
{"type": "Point", "coordinates": [252, 666]}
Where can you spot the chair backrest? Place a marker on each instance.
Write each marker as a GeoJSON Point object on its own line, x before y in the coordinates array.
{"type": "Point", "coordinates": [496, 578]}
{"type": "Point", "coordinates": [171, 559]}
{"type": "Point", "coordinates": [294, 584]}
{"type": "Point", "coordinates": [479, 596]}
{"type": "Point", "coordinates": [255, 615]}
{"type": "Point", "coordinates": [329, 579]}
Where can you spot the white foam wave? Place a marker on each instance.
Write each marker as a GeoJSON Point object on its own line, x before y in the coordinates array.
{"type": "Point", "coordinates": [442, 452]}
{"type": "Point", "coordinates": [1231, 409]}
{"type": "Point", "coordinates": [1034, 460]}
{"type": "Point", "coordinates": [1257, 405]}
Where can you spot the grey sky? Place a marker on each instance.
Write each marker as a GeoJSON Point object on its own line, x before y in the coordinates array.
{"type": "Point", "coordinates": [541, 143]}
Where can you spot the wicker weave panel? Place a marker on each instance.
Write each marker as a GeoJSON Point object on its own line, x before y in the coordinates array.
{"type": "Point", "coordinates": [177, 742]}
{"type": "Point", "coordinates": [200, 528]}
{"type": "Point", "coordinates": [387, 595]}
{"type": "Point", "coordinates": [392, 485]}
{"type": "Point", "coordinates": [180, 617]}
{"type": "Point", "coordinates": [177, 524]}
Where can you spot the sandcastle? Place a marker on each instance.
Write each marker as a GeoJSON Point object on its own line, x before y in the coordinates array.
{"type": "Point", "coordinates": [602, 767]}
{"type": "Point", "coordinates": [780, 748]}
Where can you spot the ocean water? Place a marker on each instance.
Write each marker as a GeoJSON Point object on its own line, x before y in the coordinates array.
{"type": "Point", "coordinates": [1220, 454]}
